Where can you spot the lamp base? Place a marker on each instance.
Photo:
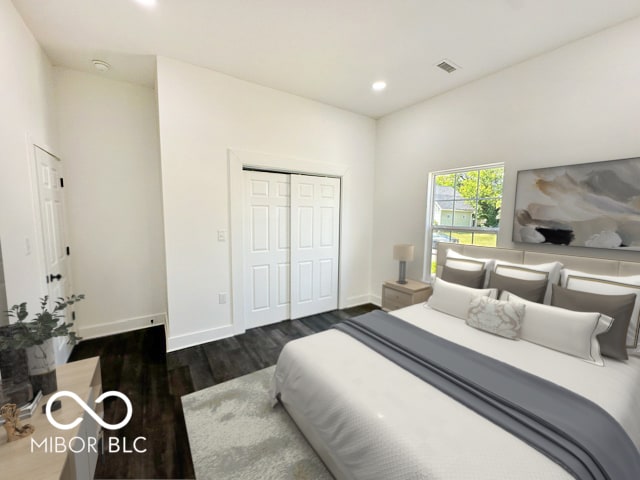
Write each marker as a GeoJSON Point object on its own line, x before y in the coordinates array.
{"type": "Point", "coordinates": [403, 272]}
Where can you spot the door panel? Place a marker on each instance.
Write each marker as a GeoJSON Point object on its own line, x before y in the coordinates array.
{"type": "Point", "coordinates": [305, 188]}
{"type": "Point", "coordinates": [326, 277]}
{"type": "Point", "coordinates": [326, 226]}
{"type": "Point", "coordinates": [54, 236]}
{"type": "Point", "coordinates": [315, 227]}
{"type": "Point", "coordinates": [267, 248]}
{"type": "Point", "coordinates": [260, 287]}
{"type": "Point", "coordinates": [305, 282]}
{"type": "Point", "coordinates": [284, 228]}
{"type": "Point", "coordinates": [305, 227]}
{"type": "Point", "coordinates": [284, 284]}
{"type": "Point", "coordinates": [260, 228]}
{"type": "Point", "coordinates": [259, 188]}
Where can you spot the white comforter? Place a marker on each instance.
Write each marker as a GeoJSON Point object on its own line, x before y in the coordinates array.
{"type": "Point", "coordinates": [370, 419]}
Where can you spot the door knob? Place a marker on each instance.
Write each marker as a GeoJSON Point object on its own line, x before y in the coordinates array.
{"type": "Point", "coordinates": [53, 277]}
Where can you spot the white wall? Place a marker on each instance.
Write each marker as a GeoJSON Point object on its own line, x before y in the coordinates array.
{"type": "Point", "coordinates": [111, 153]}
{"type": "Point", "coordinates": [577, 104]}
{"type": "Point", "coordinates": [202, 115]}
{"type": "Point", "coordinates": [27, 117]}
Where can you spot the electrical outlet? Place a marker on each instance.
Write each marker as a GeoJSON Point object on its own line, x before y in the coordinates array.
{"type": "Point", "coordinates": [222, 298]}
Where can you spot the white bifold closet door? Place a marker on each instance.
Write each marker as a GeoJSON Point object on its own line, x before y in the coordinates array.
{"type": "Point", "coordinates": [267, 254]}
{"type": "Point", "coordinates": [291, 245]}
{"type": "Point", "coordinates": [315, 238]}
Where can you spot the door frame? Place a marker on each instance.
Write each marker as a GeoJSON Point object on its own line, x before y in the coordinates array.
{"type": "Point", "coordinates": [241, 159]}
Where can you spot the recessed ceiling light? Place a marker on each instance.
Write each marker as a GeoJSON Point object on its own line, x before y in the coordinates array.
{"type": "Point", "coordinates": [379, 86]}
{"type": "Point", "coordinates": [148, 3]}
{"type": "Point", "coordinates": [100, 65]}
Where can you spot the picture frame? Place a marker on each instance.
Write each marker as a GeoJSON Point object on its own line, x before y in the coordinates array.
{"type": "Point", "coordinates": [594, 205]}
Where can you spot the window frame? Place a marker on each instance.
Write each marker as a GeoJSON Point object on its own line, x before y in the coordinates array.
{"type": "Point", "coordinates": [426, 267]}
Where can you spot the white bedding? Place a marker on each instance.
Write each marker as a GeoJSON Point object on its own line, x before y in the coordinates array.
{"type": "Point", "coordinates": [370, 419]}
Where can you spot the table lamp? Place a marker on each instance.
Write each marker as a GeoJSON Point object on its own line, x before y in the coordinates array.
{"type": "Point", "coordinates": [403, 253]}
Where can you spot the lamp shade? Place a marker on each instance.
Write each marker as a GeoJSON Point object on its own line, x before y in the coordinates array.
{"type": "Point", "coordinates": [403, 252]}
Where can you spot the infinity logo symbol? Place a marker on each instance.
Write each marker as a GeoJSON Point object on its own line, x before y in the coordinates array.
{"type": "Point", "coordinates": [86, 408]}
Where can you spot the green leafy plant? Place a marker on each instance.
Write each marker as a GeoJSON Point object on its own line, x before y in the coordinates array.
{"type": "Point", "coordinates": [45, 325]}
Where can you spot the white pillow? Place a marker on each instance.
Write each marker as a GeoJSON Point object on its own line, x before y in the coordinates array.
{"type": "Point", "coordinates": [462, 262]}
{"type": "Point", "coordinates": [608, 285]}
{"type": "Point", "coordinates": [563, 330]}
{"type": "Point", "coordinates": [549, 271]}
{"type": "Point", "coordinates": [454, 299]}
{"type": "Point", "coordinates": [499, 317]}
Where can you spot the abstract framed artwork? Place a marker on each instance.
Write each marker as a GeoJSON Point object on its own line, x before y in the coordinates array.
{"type": "Point", "coordinates": [593, 205]}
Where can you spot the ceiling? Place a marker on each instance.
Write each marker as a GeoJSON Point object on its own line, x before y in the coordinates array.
{"type": "Point", "coordinates": [327, 50]}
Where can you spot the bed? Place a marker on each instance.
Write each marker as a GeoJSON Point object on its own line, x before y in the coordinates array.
{"type": "Point", "coordinates": [369, 418]}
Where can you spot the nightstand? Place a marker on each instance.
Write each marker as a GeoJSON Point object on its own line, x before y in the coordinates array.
{"type": "Point", "coordinates": [47, 459]}
{"type": "Point", "coordinates": [396, 296]}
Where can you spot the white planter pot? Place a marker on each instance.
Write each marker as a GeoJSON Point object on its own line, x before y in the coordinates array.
{"type": "Point", "coordinates": [41, 361]}
{"type": "Point", "coordinates": [41, 358]}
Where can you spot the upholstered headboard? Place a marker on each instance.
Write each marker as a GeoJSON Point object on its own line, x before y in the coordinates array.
{"type": "Point", "coordinates": [586, 264]}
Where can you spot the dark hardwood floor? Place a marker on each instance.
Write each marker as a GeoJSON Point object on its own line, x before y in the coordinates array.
{"type": "Point", "coordinates": [136, 364]}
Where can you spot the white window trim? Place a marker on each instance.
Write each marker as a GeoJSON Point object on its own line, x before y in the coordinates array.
{"type": "Point", "coordinates": [426, 266]}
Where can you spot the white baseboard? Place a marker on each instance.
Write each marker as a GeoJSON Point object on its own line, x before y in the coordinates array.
{"type": "Point", "coordinates": [121, 326]}
{"type": "Point", "coordinates": [356, 301]}
{"type": "Point", "coordinates": [191, 339]}
{"type": "Point", "coordinates": [197, 338]}
{"type": "Point", "coordinates": [211, 335]}
{"type": "Point", "coordinates": [376, 300]}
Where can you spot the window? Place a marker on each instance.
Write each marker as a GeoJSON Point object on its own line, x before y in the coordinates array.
{"type": "Point", "coordinates": [464, 207]}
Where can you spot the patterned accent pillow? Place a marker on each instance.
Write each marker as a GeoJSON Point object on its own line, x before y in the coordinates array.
{"type": "Point", "coordinates": [499, 317]}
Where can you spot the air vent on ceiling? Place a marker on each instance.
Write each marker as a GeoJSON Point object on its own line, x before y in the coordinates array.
{"type": "Point", "coordinates": [448, 66]}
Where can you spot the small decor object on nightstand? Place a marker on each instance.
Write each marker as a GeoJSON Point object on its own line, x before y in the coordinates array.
{"type": "Point", "coordinates": [28, 409]}
{"type": "Point", "coordinates": [403, 253]}
{"type": "Point", "coordinates": [15, 431]}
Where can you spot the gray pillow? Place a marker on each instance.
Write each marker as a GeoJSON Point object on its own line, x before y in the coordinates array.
{"type": "Point", "coordinates": [532, 290]}
{"type": "Point", "coordinates": [619, 307]}
{"type": "Point", "coordinates": [468, 278]}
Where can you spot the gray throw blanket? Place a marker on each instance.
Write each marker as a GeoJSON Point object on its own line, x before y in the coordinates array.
{"type": "Point", "coordinates": [571, 430]}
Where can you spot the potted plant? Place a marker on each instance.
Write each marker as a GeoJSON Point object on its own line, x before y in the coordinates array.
{"type": "Point", "coordinates": [36, 337]}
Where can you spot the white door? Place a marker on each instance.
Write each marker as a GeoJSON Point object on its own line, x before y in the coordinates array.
{"type": "Point", "coordinates": [54, 236]}
{"type": "Point", "coordinates": [266, 246]}
{"type": "Point", "coordinates": [315, 237]}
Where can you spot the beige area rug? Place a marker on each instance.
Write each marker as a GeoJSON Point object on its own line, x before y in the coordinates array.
{"type": "Point", "coordinates": [234, 433]}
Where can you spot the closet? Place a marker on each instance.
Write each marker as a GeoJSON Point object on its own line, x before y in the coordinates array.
{"type": "Point", "coordinates": [291, 229]}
